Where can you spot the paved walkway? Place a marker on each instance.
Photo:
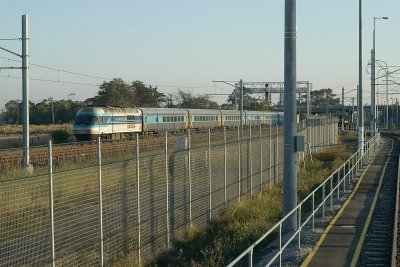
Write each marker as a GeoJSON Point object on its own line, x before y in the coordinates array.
{"type": "Point", "coordinates": [340, 241]}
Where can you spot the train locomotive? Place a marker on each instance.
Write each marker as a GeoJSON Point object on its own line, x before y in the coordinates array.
{"type": "Point", "coordinates": [117, 122]}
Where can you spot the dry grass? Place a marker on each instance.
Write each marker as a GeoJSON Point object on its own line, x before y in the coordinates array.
{"type": "Point", "coordinates": [14, 130]}
{"type": "Point", "coordinates": [237, 227]}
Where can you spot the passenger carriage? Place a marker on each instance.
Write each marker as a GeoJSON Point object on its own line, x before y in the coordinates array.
{"type": "Point", "coordinates": [254, 118]}
{"type": "Point", "coordinates": [230, 118]}
{"type": "Point", "coordinates": [156, 120]}
{"type": "Point", "coordinates": [204, 118]}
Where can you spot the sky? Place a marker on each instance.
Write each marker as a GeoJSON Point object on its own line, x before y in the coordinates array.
{"type": "Point", "coordinates": [187, 44]}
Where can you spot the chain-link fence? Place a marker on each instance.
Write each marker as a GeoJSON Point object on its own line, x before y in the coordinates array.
{"type": "Point", "coordinates": [101, 207]}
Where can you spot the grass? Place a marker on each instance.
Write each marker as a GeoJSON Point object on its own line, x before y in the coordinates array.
{"type": "Point", "coordinates": [237, 227]}
{"type": "Point", "coordinates": [76, 206]}
{"type": "Point", "coordinates": [15, 130]}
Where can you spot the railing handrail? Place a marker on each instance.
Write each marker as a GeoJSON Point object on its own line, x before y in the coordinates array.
{"type": "Point", "coordinates": [279, 224]}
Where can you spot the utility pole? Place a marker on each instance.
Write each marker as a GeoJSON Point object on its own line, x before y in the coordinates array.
{"type": "Point", "coordinates": [290, 127]}
{"type": "Point", "coordinates": [352, 116]}
{"type": "Point", "coordinates": [52, 109]}
{"type": "Point", "coordinates": [25, 90]}
{"type": "Point", "coordinates": [373, 116]}
{"type": "Point", "coordinates": [327, 102]}
{"type": "Point", "coordinates": [342, 109]}
{"type": "Point", "coordinates": [392, 108]}
{"type": "Point", "coordinates": [241, 107]}
{"type": "Point", "coordinates": [387, 98]}
{"type": "Point", "coordinates": [360, 81]}
{"type": "Point", "coordinates": [397, 113]}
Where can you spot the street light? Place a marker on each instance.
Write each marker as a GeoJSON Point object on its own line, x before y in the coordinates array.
{"type": "Point", "coordinates": [373, 108]}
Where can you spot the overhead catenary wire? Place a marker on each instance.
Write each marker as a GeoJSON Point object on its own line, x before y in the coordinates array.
{"type": "Point", "coordinates": [59, 69]}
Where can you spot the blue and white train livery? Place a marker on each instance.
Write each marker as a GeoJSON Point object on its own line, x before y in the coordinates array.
{"type": "Point", "coordinates": [116, 122]}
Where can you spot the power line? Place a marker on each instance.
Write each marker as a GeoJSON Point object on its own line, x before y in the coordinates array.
{"type": "Point", "coordinates": [48, 80]}
{"type": "Point", "coordinates": [60, 70]}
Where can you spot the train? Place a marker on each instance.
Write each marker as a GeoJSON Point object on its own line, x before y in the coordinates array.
{"type": "Point", "coordinates": [117, 123]}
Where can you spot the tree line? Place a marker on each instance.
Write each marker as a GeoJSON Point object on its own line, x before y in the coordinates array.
{"type": "Point", "coordinates": [117, 92]}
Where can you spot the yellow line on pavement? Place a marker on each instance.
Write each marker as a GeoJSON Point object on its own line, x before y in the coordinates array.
{"type": "Point", "coordinates": [307, 261]}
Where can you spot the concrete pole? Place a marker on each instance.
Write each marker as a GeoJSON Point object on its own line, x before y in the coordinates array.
{"type": "Point", "coordinates": [342, 109]}
{"type": "Point", "coordinates": [373, 111]}
{"type": "Point", "coordinates": [397, 113]}
{"type": "Point", "coordinates": [241, 106]}
{"type": "Point", "coordinates": [290, 170]}
{"type": "Point", "coordinates": [387, 98]}
{"type": "Point", "coordinates": [52, 110]}
{"type": "Point", "coordinates": [392, 114]}
{"type": "Point", "coordinates": [360, 81]}
{"type": "Point", "coordinates": [236, 100]}
{"type": "Point", "coordinates": [352, 115]}
{"type": "Point", "coordinates": [308, 100]}
{"type": "Point", "coordinates": [25, 90]}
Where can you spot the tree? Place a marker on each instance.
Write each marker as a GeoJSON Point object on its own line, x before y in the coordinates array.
{"type": "Point", "coordinates": [249, 103]}
{"type": "Point", "coordinates": [118, 93]}
{"type": "Point", "coordinates": [188, 100]}
{"type": "Point", "coordinates": [114, 93]}
{"type": "Point", "coordinates": [13, 112]}
{"type": "Point", "coordinates": [147, 96]}
{"type": "Point", "coordinates": [322, 98]}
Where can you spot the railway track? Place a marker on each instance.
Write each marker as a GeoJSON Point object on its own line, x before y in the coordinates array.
{"type": "Point", "coordinates": [84, 151]}
{"type": "Point", "coordinates": [377, 246]}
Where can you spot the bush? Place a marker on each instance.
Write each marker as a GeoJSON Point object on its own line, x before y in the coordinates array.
{"type": "Point", "coordinates": [59, 136]}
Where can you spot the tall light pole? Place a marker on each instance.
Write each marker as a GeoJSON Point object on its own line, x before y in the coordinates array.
{"type": "Point", "coordinates": [397, 113]}
{"type": "Point", "coordinates": [342, 126]}
{"type": "Point", "coordinates": [25, 90]}
{"type": "Point", "coordinates": [373, 82]}
{"type": "Point", "coordinates": [387, 97]}
{"type": "Point", "coordinates": [392, 108]}
{"type": "Point", "coordinates": [360, 80]}
{"type": "Point", "coordinates": [290, 169]}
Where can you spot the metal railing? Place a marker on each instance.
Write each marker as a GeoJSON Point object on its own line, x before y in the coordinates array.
{"type": "Point", "coordinates": [344, 174]}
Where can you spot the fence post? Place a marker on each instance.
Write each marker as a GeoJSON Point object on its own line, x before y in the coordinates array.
{"type": "Point", "coordinates": [331, 180]}
{"type": "Point", "coordinates": [323, 200]}
{"type": "Point", "coordinates": [313, 212]}
{"type": "Point", "coordinates": [261, 161]}
{"type": "Point", "coordinates": [166, 187]}
{"type": "Point", "coordinates": [100, 201]}
{"type": "Point", "coordinates": [344, 178]}
{"type": "Point", "coordinates": [270, 155]}
{"type": "Point", "coordinates": [250, 160]}
{"type": "Point", "coordinates": [299, 225]}
{"type": "Point", "coordinates": [349, 170]}
{"type": "Point", "coordinates": [280, 244]}
{"type": "Point", "coordinates": [51, 201]}
{"type": "Point", "coordinates": [338, 183]}
{"type": "Point", "coordinates": [225, 183]}
{"type": "Point", "coordinates": [189, 174]}
{"type": "Point", "coordinates": [239, 163]}
{"type": "Point", "coordinates": [138, 195]}
{"type": "Point", "coordinates": [277, 154]}
{"type": "Point", "coordinates": [251, 258]}
{"type": "Point", "coordinates": [209, 174]}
